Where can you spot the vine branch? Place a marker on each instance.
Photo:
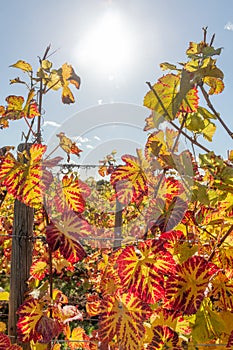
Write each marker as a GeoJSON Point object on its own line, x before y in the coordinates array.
{"type": "Point", "coordinates": [206, 96]}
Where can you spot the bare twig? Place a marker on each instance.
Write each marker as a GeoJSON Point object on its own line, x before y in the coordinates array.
{"type": "Point", "coordinates": [40, 98]}
{"type": "Point", "coordinates": [206, 96]}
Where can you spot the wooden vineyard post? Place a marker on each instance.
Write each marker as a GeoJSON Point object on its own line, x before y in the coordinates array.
{"type": "Point", "coordinates": [118, 226]}
{"type": "Point", "coordinates": [21, 260]}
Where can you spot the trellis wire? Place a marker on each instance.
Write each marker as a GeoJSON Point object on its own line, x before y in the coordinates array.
{"type": "Point", "coordinates": [63, 341]}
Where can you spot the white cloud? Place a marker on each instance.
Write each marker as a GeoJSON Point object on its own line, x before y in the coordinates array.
{"type": "Point", "coordinates": [100, 102]}
{"type": "Point", "coordinates": [51, 123]}
{"type": "Point", "coordinates": [97, 138]}
{"type": "Point", "coordinates": [229, 26]}
{"type": "Point", "coordinates": [90, 146]}
{"type": "Point", "coordinates": [81, 139]}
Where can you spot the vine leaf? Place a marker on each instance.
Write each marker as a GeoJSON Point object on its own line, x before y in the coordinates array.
{"type": "Point", "coordinates": [24, 66]}
{"type": "Point", "coordinates": [47, 329]}
{"type": "Point", "coordinates": [24, 181]}
{"type": "Point", "coordinates": [68, 146]}
{"type": "Point", "coordinates": [75, 192]}
{"type": "Point", "coordinates": [175, 94]}
{"type": "Point", "coordinates": [122, 316]}
{"type": "Point", "coordinates": [130, 180]}
{"type": "Point", "coordinates": [69, 76]}
{"type": "Point", "coordinates": [65, 233]}
{"type": "Point", "coordinates": [142, 270]}
{"type": "Point", "coordinates": [164, 337]}
{"type": "Point", "coordinates": [16, 110]}
{"type": "Point", "coordinates": [165, 215]}
{"type": "Point", "coordinates": [30, 312]}
{"type": "Point", "coordinates": [185, 290]}
{"type": "Point", "coordinates": [4, 341]}
{"type": "Point", "coordinates": [38, 269]}
{"type": "Point", "coordinates": [78, 339]}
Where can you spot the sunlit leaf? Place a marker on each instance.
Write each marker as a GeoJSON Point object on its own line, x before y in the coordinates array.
{"type": "Point", "coordinates": [39, 269]}
{"type": "Point", "coordinates": [165, 215]}
{"type": "Point", "coordinates": [164, 337]}
{"type": "Point", "coordinates": [68, 146]}
{"type": "Point", "coordinates": [22, 65]}
{"type": "Point", "coordinates": [4, 296]}
{"type": "Point", "coordinates": [166, 65]}
{"type": "Point", "coordinates": [93, 304]}
{"type": "Point", "coordinates": [24, 181]}
{"type": "Point", "coordinates": [216, 85]}
{"type": "Point", "coordinates": [69, 74]}
{"type": "Point", "coordinates": [208, 325]}
{"type": "Point", "coordinates": [222, 292]}
{"type": "Point", "coordinates": [4, 341]}
{"type": "Point", "coordinates": [2, 327]}
{"type": "Point", "coordinates": [30, 312]}
{"type": "Point", "coordinates": [46, 64]}
{"type": "Point", "coordinates": [39, 346]}
{"type": "Point", "coordinates": [129, 180]}
{"type": "Point", "coordinates": [75, 192]}
{"type": "Point", "coordinates": [123, 317]}
{"type": "Point", "coordinates": [67, 96]}
{"type": "Point", "coordinates": [142, 269]}
{"type": "Point", "coordinates": [78, 339]}
{"type": "Point", "coordinates": [185, 289]}
{"type": "Point", "coordinates": [174, 94]}
{"type": "Point", "coordinates": [66, 234]}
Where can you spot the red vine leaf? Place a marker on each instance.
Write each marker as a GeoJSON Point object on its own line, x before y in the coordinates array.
{"type": "Point", "coordinates": [185, 290]}
{"type": "Point", "coordinates": [4, 341]}
{"type": "Point", "coordinates": [123, 316]}
{"type": "Point", "coordinates": [47, 329]}
{"type": "Point", "coordinates": [66, 233]}
{"type": "Point", "coordinates": [164, 337]}
{"type": "Point", "coordinates": [142, 269]}
{"type": "Point", "coordinates": [30, 313]}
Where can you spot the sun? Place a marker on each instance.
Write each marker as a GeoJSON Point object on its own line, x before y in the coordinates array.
{"type": "Point", "coordinates": [108, 44]}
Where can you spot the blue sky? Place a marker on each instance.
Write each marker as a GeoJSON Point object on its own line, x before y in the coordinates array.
{"type": "Point", "coordinates": [146, 33]}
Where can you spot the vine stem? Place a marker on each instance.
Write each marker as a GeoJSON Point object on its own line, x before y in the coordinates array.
{"type": "Point", "coordinates": [224, 237]}
{"type": "Point", "coordinates": [193, 141]}
{"type": "Point", "coordinates": [206, 96]}
{"type": "Point", "coordinates": [41, 98]}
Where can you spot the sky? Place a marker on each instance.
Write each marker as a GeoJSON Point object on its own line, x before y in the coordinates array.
{"type": "Point", "coordinates": [115, 47]}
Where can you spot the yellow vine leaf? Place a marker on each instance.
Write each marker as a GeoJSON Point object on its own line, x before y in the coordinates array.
{"type": "Point", "coordinates": [24, 66]}
{"type": "Point", "coordinates": [4, 296]}
{"type": "Point", "coordinates": [2, 327]}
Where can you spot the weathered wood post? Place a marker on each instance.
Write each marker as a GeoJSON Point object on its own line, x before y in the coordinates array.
{"type": "Point", "coordinates": [21, 259]}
